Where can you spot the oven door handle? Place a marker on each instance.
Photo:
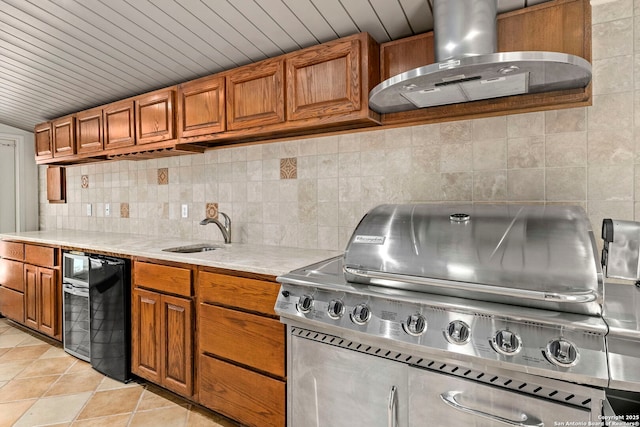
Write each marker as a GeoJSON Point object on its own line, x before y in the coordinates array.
{"type": "Point", "coordinates": [527, 421]}
{"type": "Point", "coordinates": [392, 410]}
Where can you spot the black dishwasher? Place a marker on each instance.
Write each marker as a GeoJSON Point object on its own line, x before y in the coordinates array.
{"type": "Point", "coordinates": [110, 325]}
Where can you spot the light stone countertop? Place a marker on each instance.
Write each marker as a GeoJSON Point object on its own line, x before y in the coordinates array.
{"type": "Point", "coordinates": [261, 259]}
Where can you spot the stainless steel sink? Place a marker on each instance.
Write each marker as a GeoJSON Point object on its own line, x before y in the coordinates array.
{"type": "Point", "coordinates": [202, 247]}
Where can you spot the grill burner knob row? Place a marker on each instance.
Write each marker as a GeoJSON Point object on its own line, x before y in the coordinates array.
{"type": "Point", "coordinates": [335, 309]}
{"type": "Point", "coordinates": [562, 353]}
{"type": "Point", "coordinates": [416, 325]}
{"type": "Point", "coordinates": [360, 314]}
{"type": "Point", "coordinates": [506, 343]}
{"type": "Point", "coordinates": [305, 304]}
{"type": "Point", "coordinates": [458, 332]}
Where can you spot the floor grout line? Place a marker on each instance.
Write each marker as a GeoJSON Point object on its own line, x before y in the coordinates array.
{"type": "Point", "coordinates": [194, 413]}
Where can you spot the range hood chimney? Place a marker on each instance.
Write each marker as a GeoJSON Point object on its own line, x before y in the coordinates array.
{"type": "Point", "coordinates": [468, 68]}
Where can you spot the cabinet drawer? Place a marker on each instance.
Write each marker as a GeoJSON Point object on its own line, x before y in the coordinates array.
{"type": "Point", "coordinates": [12, 304]}
{"type": "Point", "coordinates": [11, 275]}
{"type": "Point", "coordinates": [242, 337]}
{"type": "Point", "coordinates": [247, 294]}
{"type": "Point", "coordinates": [163, 278]}
{"type": "Point", "coordinates": [12, 250]}
{"type": "Point", "coordinates": [40, 255]}
{"type": "Point", "coordinates": [246, 396]}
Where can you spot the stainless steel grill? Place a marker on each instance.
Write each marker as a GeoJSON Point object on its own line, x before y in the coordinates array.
{"type": "Point", "coordinates": [494, 301]}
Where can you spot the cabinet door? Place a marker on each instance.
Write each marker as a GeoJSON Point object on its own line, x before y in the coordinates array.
{"type": "Point", "coordinates": [146, 334]}
{"type": "Point", "coordinates": [255, 95]}
{"type": "Point", "coordinates": [240, 292]}
{"type": "Point", "coordinates": [12, 304]}
{"type": "Point", "coordinates": [43, 141]}
{"type": "Point", "coordinates": [64, 136]}
{"type": "Point", "coordinates": [177, 373]}
{"type": "Point", "coordinates": [244, 395]}
{"type": "Point", "coordinates": [324, 80]}
{"type": "Point", "coordinates": [48, 302]}
{"type": "Point", "coordinates": [56, 184]}
{"type": "Point", "coordinates": [244, 338]}
{"type": "Point", "coordinates": [31, 296]}
{"type": "Point", "coordinates": [119, 126]}
{"type": "Point", "coordinates": [201, 105]}
{"type": "Point", "coordinates": [155, 117]}
{"type": "Point", "coordinates": [89, 131]}
{"type": "Point", "coordinates": [325, 380]}
{"type": "Point", "coordinates": [11, 274]}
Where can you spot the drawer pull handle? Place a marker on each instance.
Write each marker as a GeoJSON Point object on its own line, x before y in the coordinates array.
{"type": "Point", "coordinates": [526, 421]}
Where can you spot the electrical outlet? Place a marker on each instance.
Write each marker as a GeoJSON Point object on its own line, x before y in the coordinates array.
{"type": "Point", "coordinates": [88, 209]}
{"type": "Point", "coordinates": [107, 209]}
{"type": "Point", "coordinates": [185, 211]}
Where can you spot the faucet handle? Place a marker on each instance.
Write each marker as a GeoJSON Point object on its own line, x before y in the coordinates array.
{"type": "Point", "coordinates": [227, 220]}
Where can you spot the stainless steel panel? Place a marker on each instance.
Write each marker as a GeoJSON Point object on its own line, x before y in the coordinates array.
{"type": "Point", "coordinates": [389, 313]}
{"type": "Point", "coordinates": [624, 363]}
{"type": "Point", "coordinates": [463, 28]}
{"type": "Point", "coordinates": [538, 256]}
{"type": "Point", "coordinates": [433, 396]}
{"type": "Point", "coordinates": [622, 314]}
{"type": "Point", "coordinates": [330, 386]}
{"type": "Point", "coordinates": [622, 309]}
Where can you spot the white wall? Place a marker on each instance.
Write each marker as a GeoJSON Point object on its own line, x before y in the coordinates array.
{"type": "Point", "coordinates": [27, 177]}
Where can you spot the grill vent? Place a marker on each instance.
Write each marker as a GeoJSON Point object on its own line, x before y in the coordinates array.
{"type": "Point", "coordinates": [497, 381]}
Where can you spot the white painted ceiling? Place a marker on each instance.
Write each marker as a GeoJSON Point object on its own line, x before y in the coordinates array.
{"type": "Point", "coordinates": [62, 56]}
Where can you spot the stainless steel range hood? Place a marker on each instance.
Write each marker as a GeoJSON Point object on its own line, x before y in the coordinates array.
{"type": "Point", "coordinates": [468, 68]}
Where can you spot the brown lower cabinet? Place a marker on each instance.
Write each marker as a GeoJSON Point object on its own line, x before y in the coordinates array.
{"type": "Point", "coordinates": [241, 371]}
{"type": "Point", "coordinates": [162, 329]}
{"type": "Point", "coordinates": [241, 394]}
{"type": "Point", "coordinates": [12, 304]}
{"type": "Point", "coordinates": [41, 299]}
{"type": "Point", "coordinates": [30, 288]}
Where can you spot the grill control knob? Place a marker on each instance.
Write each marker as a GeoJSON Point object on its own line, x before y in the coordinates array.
{"type": "Point", "coordinates": [416, 325]}
{"type": "Point", "coordinates": [335, 309]}
{"type": "Point", "coordinates": [562, 353]}
{"type": "Point", "coordinates": [360, 314]}
{"type": "Point", "coordinates": [305, 304]}
{"type": "Point", "coordinates": [458, 332]}
{"type": "Point", "coordinates": [506, 342]}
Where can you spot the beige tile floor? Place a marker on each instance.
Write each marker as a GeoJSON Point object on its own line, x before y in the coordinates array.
{"type": "Point", "coordinates": [41, 385]}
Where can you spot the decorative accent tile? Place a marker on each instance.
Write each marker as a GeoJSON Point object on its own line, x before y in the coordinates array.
{"type": "Point", "coordinates": [124, 210]}
{"type": "Point", "coordinates": [163, 176]}
{"type": "Point", "coordinates": [289, 168]}
{"type": "Point", "coordinates": [85, 181]}
{"type": "Point", "coordinates": [212, 210]}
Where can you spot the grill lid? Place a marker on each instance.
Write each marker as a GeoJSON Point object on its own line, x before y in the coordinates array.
{"type": "Point", "coordinates": [538, 256]}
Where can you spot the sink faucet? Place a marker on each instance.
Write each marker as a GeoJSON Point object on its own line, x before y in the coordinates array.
{"type": "Point", "coordinates": [225, 229]}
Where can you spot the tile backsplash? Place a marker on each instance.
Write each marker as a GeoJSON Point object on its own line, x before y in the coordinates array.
{"type": "Point", "coordinates": [310, 193]}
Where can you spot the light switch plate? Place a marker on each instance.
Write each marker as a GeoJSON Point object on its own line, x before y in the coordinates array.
{"type": "Point", "coordinates": [88, 209]}
{"type": "Point", "coordinates": [185, 211]}
{"type": "Point", "coordinates": [107, 209]}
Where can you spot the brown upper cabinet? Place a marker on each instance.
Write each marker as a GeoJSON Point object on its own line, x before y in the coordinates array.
{"type": "Point", "coordinates": [119, 125]}
{"type": "Point", "coordinates": [332, 79]}
{"type": "Point", "coordinates": [255, 95]}
{"type": "Point", "coordinates": [155, 120]}
{"type": "Point", "coordinates": [64, 136]}
{"type": "Point", "coordinates": [201, 108]}
{"type": "Point", "coordinates": [56, 184]}
{"type": "Point", "coordinates": [89, 131]}
{"type": "Point", "coordinates": [311, 91]}
{"type": "Point", "coordinates": [43, 141]}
